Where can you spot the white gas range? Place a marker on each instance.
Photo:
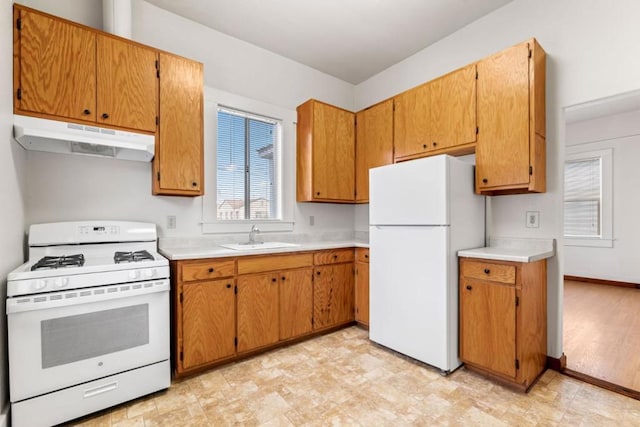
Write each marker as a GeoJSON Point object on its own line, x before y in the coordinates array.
{"type": "Point", "coordinates": [88, 320]}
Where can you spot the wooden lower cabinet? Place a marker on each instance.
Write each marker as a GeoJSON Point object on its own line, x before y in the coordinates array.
{"type": "Point", "coordinates": [257, 305]}
{"type": "Point", "coordinates": [362, 286]}
{"type": "Point", "coordinates": [296, 302]}
{"type": "Point", "coordinates": [208, 322]}
{"type": "Point", "coordinates": [503, 319]}
{"type": "Point", "coordinates": [333, 295]}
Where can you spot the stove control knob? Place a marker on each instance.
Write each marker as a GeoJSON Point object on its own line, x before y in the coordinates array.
{"type": "Point", "coordinates": [150, 272]}
{"type": "Point", "coordinates": [134, 274]}
{"type": "Point", "coordinates": [40, 284]}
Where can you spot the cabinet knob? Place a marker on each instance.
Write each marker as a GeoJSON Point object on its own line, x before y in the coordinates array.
{"type": "Point", "coordinates": [211, 270]}
{"type": "Point", "coordinates": [335, 257]}
{"type": "Point", "coordinates": [435, 143]}
{"type": "Point", "coordinates": [194, 184]}
{"type": "Point", "coordinates": [424, 145]}
{"type": "Point", "coordinates": [318, 193]}
{"type": "Point", "coordinates": [105, 116]}
{"type": "Point", "coordinates": [228, 286]}
{"type": "Point", "coordinates": [86, 112]}
{"type": "Point", "coordinates": [487, 271]}
{"type": "Point", "coordinates": [366, 255]}
{"type": "Point", "coordinates": [273, 279]}
{"type": "Point", "coordinates": [284, 278]}
{"type": "Point", "coordinates": [318, 273]}
{"type": "Point", "coordinates": [469, 287]}
{"type": "Point", "coordinates": [485, 180]}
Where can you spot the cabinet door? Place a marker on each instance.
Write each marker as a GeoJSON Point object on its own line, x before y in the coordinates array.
{"type": "Point", "coordinates": [257, 311]}
{"type": "Point", "coordinates": [127, 84]}
{"type": "Point", "coordinates": [333, 153]}
{"type": "Point", "coordinates": [502, 151]}
{"type": "Point", "coordinates": [374, 143]}
{"type": "Point", "coordinates": [296, 302]}
{"type": "Point", "coordinates": [411, 118]}
{"type": "Point", "coordinates": [488, 325]}
{"type": "Point", "coordinates": [208, 322]}
{"type": "Point", "coordinates": [180, 152]}
{"type": "Point", "coordinates": [333, 295]}
{"type": "Point", "coordinates": [57, 72]}
{"type": "Point", "coordinates": [362, 293]}
{"type": "Point", "coordinates": [453, 109]}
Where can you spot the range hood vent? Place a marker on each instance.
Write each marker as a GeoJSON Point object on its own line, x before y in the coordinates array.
{"type": "Point", "coordinates": [72, 138]}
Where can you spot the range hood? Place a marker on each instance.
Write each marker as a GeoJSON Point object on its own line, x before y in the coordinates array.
{"type": "Point", "coordinates": [72, 138]}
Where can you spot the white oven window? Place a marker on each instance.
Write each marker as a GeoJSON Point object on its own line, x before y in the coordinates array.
{"type": "Point", "coordinates": [73, 338]}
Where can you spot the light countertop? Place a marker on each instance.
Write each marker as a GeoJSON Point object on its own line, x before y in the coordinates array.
{"type": "Point", "coordinates": [196, 252]}
{"type": "Point", "coordinates": [513, 249]}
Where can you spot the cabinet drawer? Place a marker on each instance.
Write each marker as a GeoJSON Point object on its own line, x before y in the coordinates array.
{"type": "Point", "coordinates": [334, 256]}
{"type": "Point", "coordinates": [208, 270]}
{"type": "Point", "coordinates": [362, 254]}
{"type": "Point", "coordinates": [273, 262]}
{"type": "Point", "coordinates": [488, 271]}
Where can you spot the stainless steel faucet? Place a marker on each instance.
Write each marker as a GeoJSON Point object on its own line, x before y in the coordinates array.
{"type": "Point", "coordinates": [252, 234]}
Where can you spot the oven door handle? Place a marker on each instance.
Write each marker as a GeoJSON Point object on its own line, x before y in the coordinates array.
{"type": "Point", "coordinates": [105, 388]}
{"type": "Point", "coordinates": [84, 296]}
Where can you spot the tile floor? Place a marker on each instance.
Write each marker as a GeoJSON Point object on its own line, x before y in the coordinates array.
{"type": "Point", "coordinates": [342, 379]}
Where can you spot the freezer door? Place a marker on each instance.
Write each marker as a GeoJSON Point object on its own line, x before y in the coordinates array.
{"type": "Point", "coordinates": [410, 299]}
{"type": "Point", "coordinates": [410, 193]}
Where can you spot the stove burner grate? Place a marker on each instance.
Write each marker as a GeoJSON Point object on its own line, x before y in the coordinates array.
{"type": "Point", "coordinates": [50, 262]}
{"type": "Point", "coordinates": [136, 256]}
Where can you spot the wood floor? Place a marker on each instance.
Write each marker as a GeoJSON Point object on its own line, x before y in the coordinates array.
{"type": "Point", "coordinates": [602, 332]}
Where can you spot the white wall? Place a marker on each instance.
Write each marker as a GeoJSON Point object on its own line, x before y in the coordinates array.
{"type": "Point", "coordinates": [621, 133]}
{"type": "Point", "coordinates": [87, 12]}
{"type": "Point", "coordinates": [12, 168]}
{"type": "Point", "coordinates": [63, 187]}
{"type": "Point", "coordinates": [589, 47]}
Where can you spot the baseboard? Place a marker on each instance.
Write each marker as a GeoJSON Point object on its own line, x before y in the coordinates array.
{"type": "Point", "coordinates": [634, 394]}
{"type": "Point", "coordinates": [557, 364]}
{"type": "Point", "coordinates": [603, 282]}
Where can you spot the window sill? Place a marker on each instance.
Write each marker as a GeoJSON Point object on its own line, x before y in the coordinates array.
{"type": "Point", "coordinates": [591, 242]}
{"type": "Point", "coordinates": [226, 227]}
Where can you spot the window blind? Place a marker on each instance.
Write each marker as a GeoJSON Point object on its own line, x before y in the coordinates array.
{"type": "Point", "coordinates": [583, 197]}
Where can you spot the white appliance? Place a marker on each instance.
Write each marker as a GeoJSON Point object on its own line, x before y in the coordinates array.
{"type": "Point", "coordinates": [38, 134]}
{"type": "Point", "coordinates": [421, 212]}
{"type": "Point", "coordinates": [87, 319]}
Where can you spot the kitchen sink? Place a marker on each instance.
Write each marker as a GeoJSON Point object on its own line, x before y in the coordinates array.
{"type": "Point", "coordinates": [258, 246]}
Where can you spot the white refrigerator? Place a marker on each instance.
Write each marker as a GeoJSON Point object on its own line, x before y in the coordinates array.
{"type": "Point", "coordinates": [421, 212]}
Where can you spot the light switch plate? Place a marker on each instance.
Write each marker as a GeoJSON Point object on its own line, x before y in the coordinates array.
{"type": "Point", "coordinates": [533, 219]}
{"type": "Point", "coordinates": [171, 221]}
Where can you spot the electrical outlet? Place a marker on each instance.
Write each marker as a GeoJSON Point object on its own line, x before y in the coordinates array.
{"type": "Point", "coordinates": [533, 219]}
{"type": "Point", "coordinates": [171, 221]}
{"type": "Point", "coordinates": [312, 220]}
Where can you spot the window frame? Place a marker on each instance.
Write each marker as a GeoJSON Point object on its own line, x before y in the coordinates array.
{"type": "Point", "coordinates": [577, 153]}
{"type": "Point", "coordinates": [284, 164]}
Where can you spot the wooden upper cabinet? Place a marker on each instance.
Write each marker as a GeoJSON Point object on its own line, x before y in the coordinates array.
{"type": "Point", "coordinates": [179, 161]}
{"type": "Point", "coordinates": [325, 153]}
{"type": "Point", "coordinates": [54, 67]}
{"type": "Point", "coordinates": [510, 152]}
{"type": "Point", "coordinates": [411, 122]}
{"type": "Point", "coordinates": [127, 84]}
{"type": "Point", "coordinates": [453, 109]}
{"type": "Point", "coordinates": [374, 144]}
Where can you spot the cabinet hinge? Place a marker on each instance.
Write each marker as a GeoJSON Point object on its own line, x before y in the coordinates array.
{"type": "Point", "coordinates": [517, 364]}
{"type": "Point", "coordinates": [530, 170]}
{"type": "Point", "coordinates": [158, 175]}
{"type": "Point", "coordinates": [19, 24]}
{"type": "Point", "coordinates": [158, 73]}
{"type": "Point", "coordinates": [312, 321]}
{"type": "Point", "coordinates": [476, 74]}
{"type": "Point", "coordinates": [157, 120]}
{"type": "Point", "coordinates": [235, 291]}
{"type": "Point", "coordinates": [19, 94]}
{"type": "Point", "coordinates": [235, 341]}
{"type": "Point", "coordinates": [529, 53]}
{"type": "Point", "coordinates": [157, 64]}
{"type": "Point", "coordinates": [181, 355]}
{"type": "Point", "coordinates": [517, 301]}
{"type": "Point", "coordinates": [181, 298]}
{"type": "Point", "coordinates": [477, 130]}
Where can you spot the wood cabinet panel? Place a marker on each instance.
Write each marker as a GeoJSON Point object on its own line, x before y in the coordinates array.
{"type": "Point", "coordinates": [296, 302]}
{"type": "Point", "coordinates": [207, 270]}
{"type": "Point", "coordinates": [362, 255]}
{"type": "Point", "coordinates": [411, 120]}
{"type": "Point", "coordinates": [453, 109]}
{"type": "Point", "coordinates": [179, 161]}
{"type": "Point", "coordinates": [488, 325]}
{"type": "Point", "coordinates": [374, 143]}
{"type": "Point", "coordinates": [489, 271]}
{"type": "Point", "coordinates": [127, 84]}
{"type": "Point", "coordinates": [333, 295]}
{"type": "Point", "coordinates": [334, 256]}
{"type": "Point", "coordinates": [265, 263]}
{"type": "Point", "coordinates": [257, 307]}
{"type": "Point", "coordinates": [57, 67]}
{"type": "Point", "coordinates": [208, 322]}
{"type": "Point", "coordinates": [362, 293]}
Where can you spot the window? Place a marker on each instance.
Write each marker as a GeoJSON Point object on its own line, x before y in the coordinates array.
{"type": "Point", "coordinates": [246, 159]}
{"type": "Point", "coordinates": [588, 186]}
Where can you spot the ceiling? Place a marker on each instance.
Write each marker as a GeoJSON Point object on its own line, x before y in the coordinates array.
{"type": "Point", "coordinates": [349, 39]}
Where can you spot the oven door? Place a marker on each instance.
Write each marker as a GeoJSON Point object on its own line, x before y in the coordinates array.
{"type": "Point", "coordinates": [61, 339]}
